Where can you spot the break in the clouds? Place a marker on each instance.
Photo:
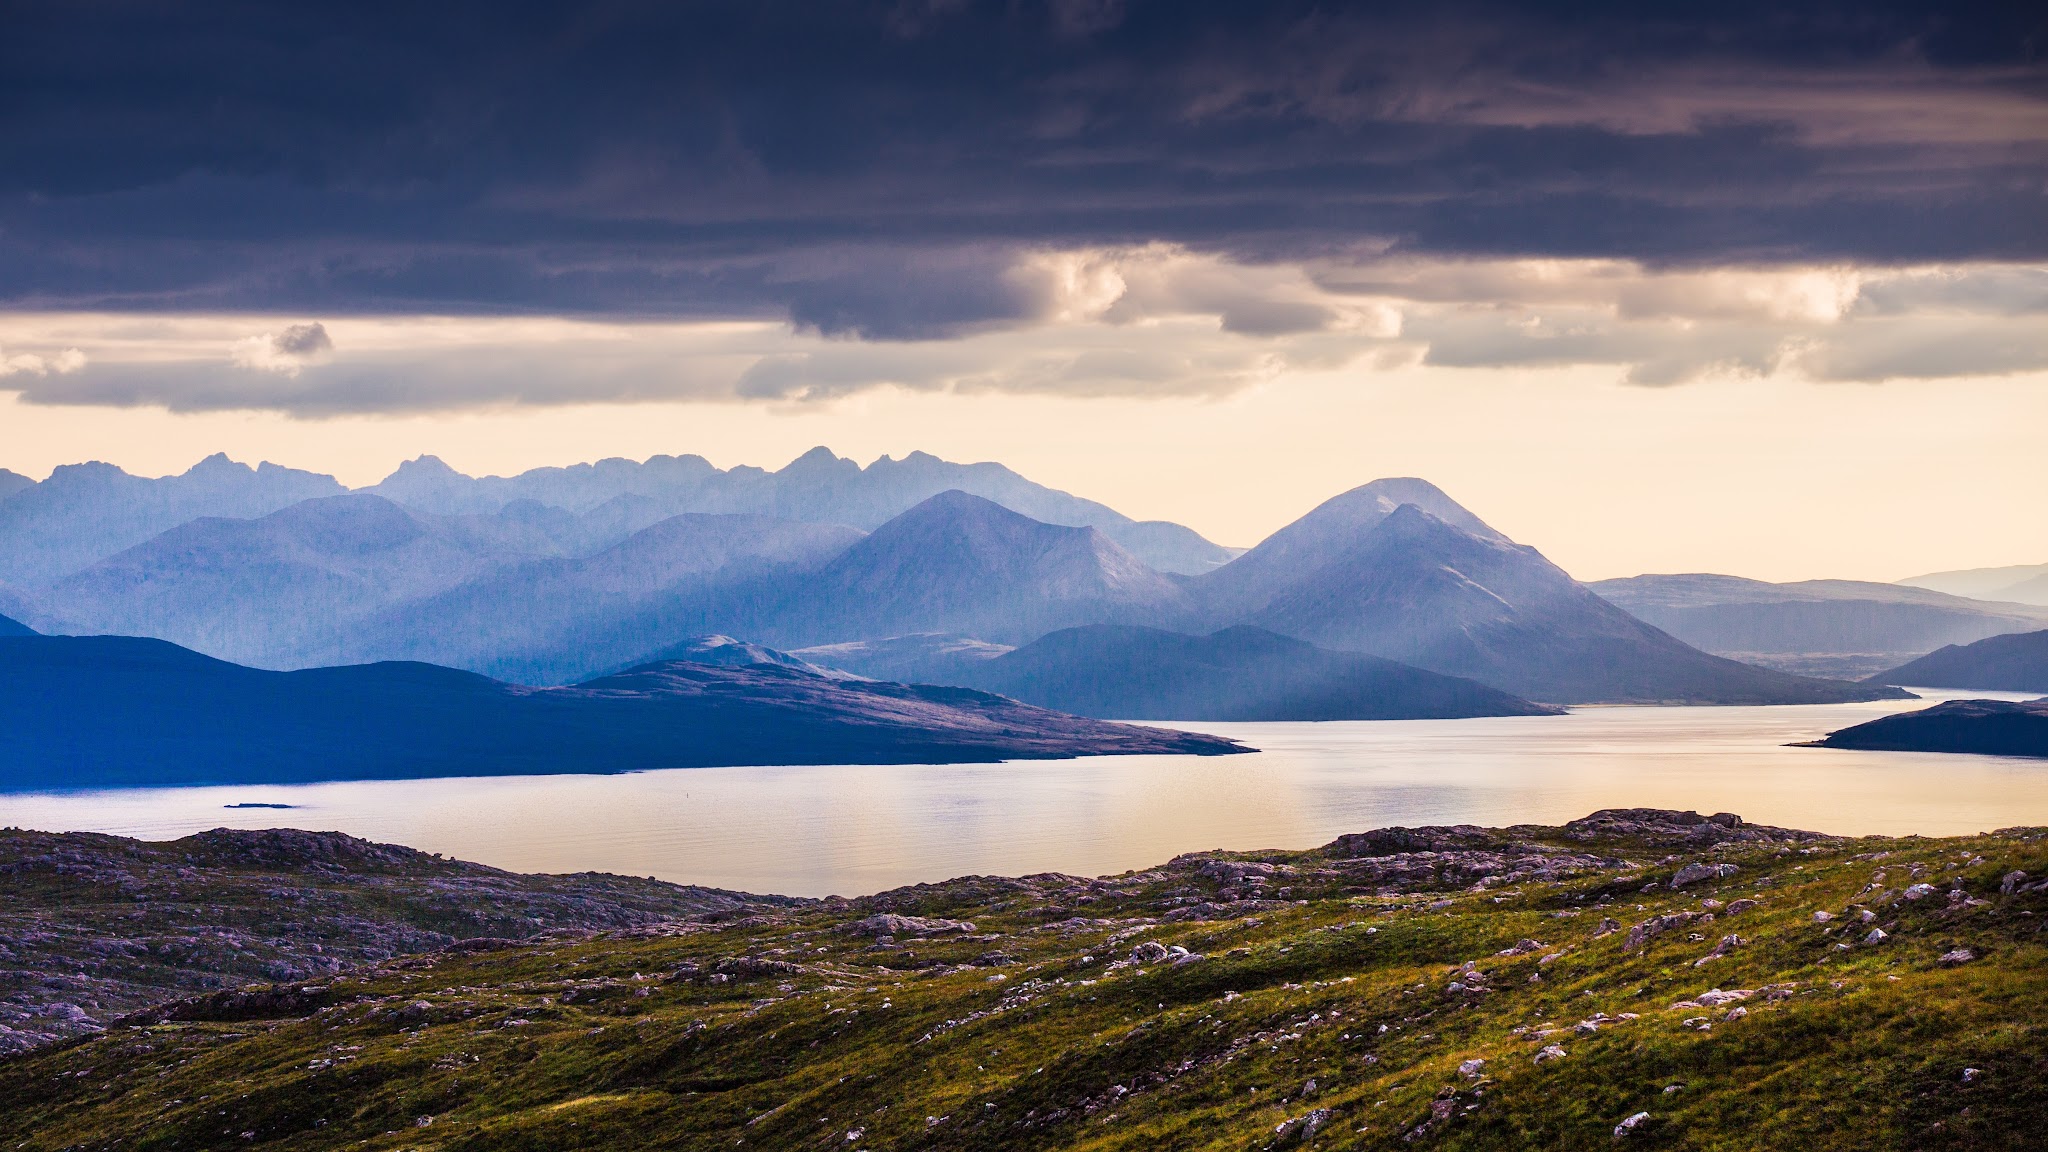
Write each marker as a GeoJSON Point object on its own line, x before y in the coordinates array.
{"type": "Point", "coordinates": [1153, 321]}
{"type": "Point", "coordinates": [1077, 195]}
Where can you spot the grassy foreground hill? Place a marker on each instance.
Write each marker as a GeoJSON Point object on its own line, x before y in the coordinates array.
{"type": "Point", "coordinates": [95, 926]}
{"type": "Point", "coordinates": [1634, 979]}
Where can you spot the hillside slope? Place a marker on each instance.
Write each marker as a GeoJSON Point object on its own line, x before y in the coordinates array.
{"type": "Point", "coordinates": [85, 512]}
{"type": "Point", "coordinates": [1447, 988]}
{"type": "Point", "coordinates": [2002, 663]}
{"type": "Point", "coordinates": [557, 621]}
{"type": "Point", "coordinates": [959, 563]}
{"type": "Point", "coordinates": [134, 923]}
{"type": "Point", "coordinates": [290, 589]}
{"type": "Point", "coordinates": [1242, 673]}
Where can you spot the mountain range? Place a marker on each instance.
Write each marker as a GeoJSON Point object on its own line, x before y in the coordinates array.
{"type": "Point", "coordinates": [115, 711]}
{"type": "Point", "coordinates": [86, 512]}
{"type": "Point", "coordinates": [552, 578]}
{"type": "Point", "coordinates": [818, 487]}
{"type": "Point", "coordinates": [1845, 628]}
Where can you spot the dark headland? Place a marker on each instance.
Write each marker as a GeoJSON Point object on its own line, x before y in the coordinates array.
{"type": "Point", "coordinates": [113, 711]}
{"type": "Point", "coordinates": [1987, 727]}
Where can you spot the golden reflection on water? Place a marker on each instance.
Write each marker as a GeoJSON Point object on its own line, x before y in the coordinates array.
{"type": "Point", "coordinates": [857, 829]}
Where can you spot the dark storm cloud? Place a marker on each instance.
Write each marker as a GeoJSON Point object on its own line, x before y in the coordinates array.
{"type": "Point", "coordinates": [875, 169]}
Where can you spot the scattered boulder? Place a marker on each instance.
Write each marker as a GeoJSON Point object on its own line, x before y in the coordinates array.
{"type": "Point", "coordinates": [1715, 997]}
{"type": "Point", "coordinates": [1655, 926]}
{"type": "Point", "coordinates": [1694, 873]}
{"type": "Point", "coordinates": [1150, 952]}
{"type": "Point", "coordinates": [1629, 1125]}
{"type": "Point", "coordinates": [1728, 944]}
{"type": "Point", "coordinates": [1550, 1052]}
{"type": "Point", "coordinates": [1471, 1069]}
{"type": "Point", "coordinates": [890, 924]}
{"type": "Point", "coordinates": [1919, 891]}
{"type": "Point", "coordinates": [2011, 881]}
{"type": "Point", "coordinates": [1823, 917]}
{"type": "Point", "coordinates": [1956, 956]}
{"type": "Point", "coordinates": [1302, 1127]}
{"type": "Point", "coordinates": [1877, 936]}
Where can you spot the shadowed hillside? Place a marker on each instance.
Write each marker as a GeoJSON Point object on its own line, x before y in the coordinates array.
{"type": "Point", "coordinates": [1240, 673]}
{"type": "Point", "coordinates": [110, 711]}
{"type": "Point", "coordinates": [2005, 663]}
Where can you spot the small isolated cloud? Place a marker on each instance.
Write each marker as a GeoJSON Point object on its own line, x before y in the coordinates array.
{"type": "Point", "coordinates": [28, 363]}
{"type": "Point", "coordinates": [285, 353]}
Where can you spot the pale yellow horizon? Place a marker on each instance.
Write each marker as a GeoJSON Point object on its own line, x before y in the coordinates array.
{"type": "Point", "coordinates": [1765, 477]}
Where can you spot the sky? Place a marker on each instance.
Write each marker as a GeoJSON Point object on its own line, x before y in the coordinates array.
{"type": "Point", "coordinates": [1736, 287]}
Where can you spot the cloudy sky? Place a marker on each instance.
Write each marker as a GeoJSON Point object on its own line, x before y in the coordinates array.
{"type": "Point", "coordinates": [1759, 288]}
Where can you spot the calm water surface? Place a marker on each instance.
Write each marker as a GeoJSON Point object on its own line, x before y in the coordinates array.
{"type": "Point", "coordinates": [857, 829]}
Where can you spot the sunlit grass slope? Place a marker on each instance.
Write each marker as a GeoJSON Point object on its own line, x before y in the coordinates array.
{"type": "Point", "coordinates": [1446, 988]}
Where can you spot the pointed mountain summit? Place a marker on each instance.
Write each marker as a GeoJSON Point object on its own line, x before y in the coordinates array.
{"type": "Point", "coordinates": [1328, 530]}
{"type": "Point", "coordinates": [1427, 592]}
{"type": "Point", "coordinates": [960, 563]}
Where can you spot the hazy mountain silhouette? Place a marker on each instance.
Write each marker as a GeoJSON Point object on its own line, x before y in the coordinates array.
{"type": "Point", "coordinates": [105, 711]}
{"type": "Point", "coordinates": [1851, 627]}
{"type": "Point", "coordinates": [554, 621]}
{"type": "Point", "coordinates": [817, 486]}
{"type": "Point", "coordinates": [1984, 727]}
{"type": "Point", "coordinates": [1241, 673]}
{"type": "Point", "coordinates": [2021, 583]}
{"type": "Point", "coordinates": [960, 563]}
{"type": "Point", "coordinates": [288, 589]}
{"type": "Point", "coordinates": [9, 626]}
{"type": "Point", "coordinates": [1327, 531]}
{"type": "Point", "coordinates": [2017, 663]}
{"type": "Point", "coordinates": [85, 512]}
{"type": "Point", "coordinates": [12, 482]}
{"type": "Point", "coordinates": [1426, 592]}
